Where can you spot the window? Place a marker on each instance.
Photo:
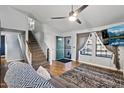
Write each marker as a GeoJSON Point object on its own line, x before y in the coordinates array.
{"type": "Point", "coordinates": [87, 49]}
{"type": "Point", "coordinates": [101, 50]}
{"type": "Point", "coordinates": [31, 23]}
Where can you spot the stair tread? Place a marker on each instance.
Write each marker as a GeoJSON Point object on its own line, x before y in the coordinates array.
{"type": "Point", "coordinates": [38, 56]}
{"type": "Point", "coordinates": [45, 62]}
{"type": "Point", "coordinates": [41, 52]}
{"type": "Point", "coordinates": [33, 47]}
{"type": "Point", "coordinates": [36, 50]}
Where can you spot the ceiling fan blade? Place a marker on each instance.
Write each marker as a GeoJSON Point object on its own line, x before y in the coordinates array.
{"type": "Point", "coordinates": [72, 8]}
{"type": "Point", "coordinates": [81, 8]}
{"type": "Point", "coordinates": [58, 17]}
{"type": "Point", "coordinates": [78, 21]}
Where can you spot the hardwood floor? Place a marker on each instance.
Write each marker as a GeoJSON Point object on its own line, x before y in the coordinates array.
{"type": "Point", "coordinates": [57, 68]}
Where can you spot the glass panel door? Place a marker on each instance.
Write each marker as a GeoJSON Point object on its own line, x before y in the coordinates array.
{"type": "Point", "coordinates": [59, 47]}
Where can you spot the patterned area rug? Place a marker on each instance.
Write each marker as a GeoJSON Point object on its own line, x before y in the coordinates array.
{"type": "Point", "coordinates": [89, 77]}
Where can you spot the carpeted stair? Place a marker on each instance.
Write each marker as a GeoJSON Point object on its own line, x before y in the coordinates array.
{"type": "Point", "coordinates": [38, 57]}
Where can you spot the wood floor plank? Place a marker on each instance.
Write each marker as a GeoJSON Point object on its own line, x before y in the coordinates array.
{"type": "Point", "coordinates": [57, 68]}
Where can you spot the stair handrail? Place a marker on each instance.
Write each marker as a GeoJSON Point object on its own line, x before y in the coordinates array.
{"type": "Point", "coordinates": [28, 53]}
{"type": "Point", "coordinates": [27, 42]}
{"type": "Point", "coordinates": [22, 45]}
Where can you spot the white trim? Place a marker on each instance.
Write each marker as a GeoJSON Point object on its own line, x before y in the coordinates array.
{"type": "Point", "coordinates": [15, 60]}
{"type": "Point", "coordinates": [5, 48]}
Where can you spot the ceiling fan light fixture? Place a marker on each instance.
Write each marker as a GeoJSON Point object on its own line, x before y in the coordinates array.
{"type": "Point", "coordinates": [75, 14]}
{"type": "Point", "coordinates": [72, 18]}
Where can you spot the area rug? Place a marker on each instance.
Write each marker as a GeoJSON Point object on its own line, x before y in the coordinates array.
{"type": "Point", "coordinates": [64, 60]}
{"type": "Point", "coordinates": [89, 77]}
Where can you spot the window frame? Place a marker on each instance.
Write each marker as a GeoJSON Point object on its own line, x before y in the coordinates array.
{"type": "Point", "coordinates": [104, 52]}
{"type": "Point", "coordinates": [87, 51]}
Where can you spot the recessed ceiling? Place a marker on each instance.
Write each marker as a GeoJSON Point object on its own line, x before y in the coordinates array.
{"type": "Point", "coordinates": [92, 16]}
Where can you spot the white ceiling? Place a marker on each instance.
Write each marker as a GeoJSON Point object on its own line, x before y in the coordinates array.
{"type": "Point", "coordinates": [92, 16]}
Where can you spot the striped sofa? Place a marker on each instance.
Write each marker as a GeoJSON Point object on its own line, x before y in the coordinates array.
{"type": "Point", "coordinates": [22, 75]}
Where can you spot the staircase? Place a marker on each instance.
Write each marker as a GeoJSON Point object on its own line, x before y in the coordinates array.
{"type": "Point", "coordinates": [38, 57]}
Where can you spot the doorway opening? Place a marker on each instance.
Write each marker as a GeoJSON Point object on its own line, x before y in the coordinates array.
{"type": "Point", "coordinates": [63, 49]}
{"type": "Point", "coordinates": [2, 49]}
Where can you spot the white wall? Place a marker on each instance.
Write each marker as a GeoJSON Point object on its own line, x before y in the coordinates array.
{"type": "Point", "coordinates": [39, 34]}
{"type": "Point", "coordinates": [93, 59]}
{"type": "Point", "coordinates": [12, 19]}
{"type": "Point", "coordinates": [50, 39]}
{"type": "Point", "coordinates": [104, 62]}
{"type": "Point", "coordinates": [12, 51]}
{"type": "Point", "coordinates": [121, 56]}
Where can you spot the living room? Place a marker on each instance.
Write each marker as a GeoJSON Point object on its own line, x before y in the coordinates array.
{"type": "Point", "coordinates": [57, 47]}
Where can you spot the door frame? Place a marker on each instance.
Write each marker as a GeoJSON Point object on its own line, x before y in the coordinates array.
{"type": "Point", "coordinates": [56, 46]}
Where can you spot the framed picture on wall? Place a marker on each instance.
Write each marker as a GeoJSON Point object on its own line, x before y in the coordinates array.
{"type": "Point", "coordinates": [114, 36]}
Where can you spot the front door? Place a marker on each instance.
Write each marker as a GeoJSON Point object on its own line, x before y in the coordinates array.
{"type": "Point", "coordinates": [59, 47]}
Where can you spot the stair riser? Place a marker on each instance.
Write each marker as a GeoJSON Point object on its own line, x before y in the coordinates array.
{"type": "Point", "coordinates": [37, 51]}
{"type": "Point", "coordinates": [34, 62]}
{"type": "Point", "coordinates": [38, 56]}
{"type": "Point", "coordinates": [33, 46]}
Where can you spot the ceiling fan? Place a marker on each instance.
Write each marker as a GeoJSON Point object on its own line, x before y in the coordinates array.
{"type": "Point", "coordinates": [73, 14]}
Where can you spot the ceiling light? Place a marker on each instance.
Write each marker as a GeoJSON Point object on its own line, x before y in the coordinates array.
{"type": "Point", "coordinates": [72, 18]}
{"type": "Point", "coordinates": [75, 14]}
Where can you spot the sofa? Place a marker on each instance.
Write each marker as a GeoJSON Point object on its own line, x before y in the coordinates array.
{"type": "Point", "coordinates": [23, 75]}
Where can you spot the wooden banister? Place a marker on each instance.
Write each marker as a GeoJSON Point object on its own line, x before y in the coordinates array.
{"type": "Point", "coordinates": [28, 53]}
{"type": "Point", "coordinates": [27, 42]}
